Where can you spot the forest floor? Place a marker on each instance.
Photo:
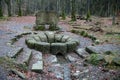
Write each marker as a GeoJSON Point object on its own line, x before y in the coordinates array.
{"type": "Point", "coordinates": [74, 69]}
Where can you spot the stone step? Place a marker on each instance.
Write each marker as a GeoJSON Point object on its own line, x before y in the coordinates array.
{"type": "Point", "coordinates": [13, 53]}
{"type": "Point", "coordinates": [67, 72]}
{"type": "Point", "coordinates": [82, 52]}
{"type": "Point", "coordinates": [24, 57]}
{"type": "Point", "coordinates": [36, 62]}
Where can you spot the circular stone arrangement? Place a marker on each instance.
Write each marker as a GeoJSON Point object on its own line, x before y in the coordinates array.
{"type": "Point", "coordinates": [49, 42]}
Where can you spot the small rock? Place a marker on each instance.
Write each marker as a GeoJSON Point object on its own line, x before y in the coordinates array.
{"type": "Point", "coordinates": [82, 53]}
{"type": "Point", "coordinates": [38, 66]}
{"type": "Point", "coordinates": [70, 58]}
{"type": "Point", "coordinates": [59, 75]}
{"type": "Point", "coordinates": [76, 74]}
{"type": "Point", "coordinates": [52, 59]}
{"type": "Point", "coordinates": [85, 71]}
{"type": "Point", "coordinates": [85, 79]}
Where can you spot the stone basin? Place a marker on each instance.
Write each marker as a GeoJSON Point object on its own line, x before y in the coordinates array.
{"type": "Point", "coordinates": [49, 42]}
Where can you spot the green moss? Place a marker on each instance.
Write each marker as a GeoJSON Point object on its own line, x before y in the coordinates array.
{"type": "Point", "coordinates": [41, 27]}
{"type": "Point", "coordinates": [9, 63]}
{"type": "Point", "coordinates": [75, 31]}
{"type": "Point", "coordinates": [95, 59]}
{"type": "Point", "coordinates": [108, 59]}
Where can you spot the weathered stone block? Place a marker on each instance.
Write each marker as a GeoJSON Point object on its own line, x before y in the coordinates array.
{"type": "Point", "coordinates": [58, 48]}
{"type": "Point", "coordinates": [15, 52]}
{"type": "Point", "coordinates": [71, 46]}
{"type": "Point", "coordinates": [58, 37]}
{"type": "Point", "coordinates": [50, 18]}
{"type": "Point", "coordinates": [36, 37]}
{"type": "Point", "coordinates": [38, 66]}
{"type": "Point", "coordinates": [50, 36]}
{"type": "Point", "coordinates": [43, 37]}
{"type": "Point", "coordinates": [43, 47]}
{"type": "Point", "coordinates": [31, 43]}
{"type": "Point", "coordinates": [65, 38]}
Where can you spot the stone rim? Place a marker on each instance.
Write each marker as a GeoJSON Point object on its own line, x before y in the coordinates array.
{"type": "Point", "coordinates": [49, 42]}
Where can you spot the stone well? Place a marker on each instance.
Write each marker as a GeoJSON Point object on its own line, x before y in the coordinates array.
{"type": "Point", "coordinates": [49, 42]}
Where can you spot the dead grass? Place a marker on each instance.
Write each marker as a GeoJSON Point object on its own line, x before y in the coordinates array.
{"type": "Point", "coordinates": [105, 25]}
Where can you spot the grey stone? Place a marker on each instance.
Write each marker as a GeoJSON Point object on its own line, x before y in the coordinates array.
{"type": "Point", "coordinates": [15, 52]}
{"type": "Point", "coordinates": [58, 48]}
{"type": "Point", "coordinates": [43, 47]}
{"type": "Point", "coordinates": [31, 43]}
{"type": "Point", "coordinates": [103, 48]}
{"type": "Point", "coordinates": [24, 57]}
{"type": "Point", "coordinates": [37, 56]}
{"type": "Point", "coordinates": [67, 74]}
{"type": "Point", "coordinates": [50, 36]}
{"type": "Point", "coordinates": [49, 18]}
{"type": "Point", "coordinates": [73, 40]}
{"type": "Point", "coordinates": [21, 75]}
{"type": "Point", "coordinates": [52, 59]}
{"type": "Point", "coordinates": [43, 37]}
{"type": "Point", "coordinates": [76, 74]}
{"type": "Point", "coordinates": [65, 38]}
{"type": "Point", "coordinates": [70, 58]}
{"type": "Point", "coordinates": [81, 52]}
{"type": "Point", "coordinates": [58, 37]}
{"type": "Point", "coordinates": [71, 46]}
{"type": "Point", "coordinates": [38, 66]}
{"type": "Point", "coordinates": [36, 37]}
{"type": "Point", "coordinates": [52, 43]}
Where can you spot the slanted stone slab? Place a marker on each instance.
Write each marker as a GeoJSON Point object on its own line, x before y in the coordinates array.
{"type": "Point", "coordinates": [73, 40]}
{"type": "Point", "coordinates": [82, 53]}
{"type": "Point", "coordinates": [37, 56]}
{"type": "Point", "coordinates": [37, 38]}
{"type": "Point", "coordinates": [65, 38]}
{"type": "Point", "coordinates": [58, 48]}
{"type": "Point", "coordinates": [31, 43]}
{"type": "Point", "coordinates": [58, 37]}
{"type": "Point", "coordinates": [21, 75]}
{"type": "Point", "coordinates": [38, 66]}
{"type": "Point", "coordinates": [50, 36]}
{"type": "Point", "coordinates": [43, 37]}
{"type": "Point", "coordinates": [24, 57]}
{"type": "Point", "coordinates": [43, 47]}
{"type": "Point", "coordinates": [67, 72]}
{"type": "Point", "coordinates": [15, 52]}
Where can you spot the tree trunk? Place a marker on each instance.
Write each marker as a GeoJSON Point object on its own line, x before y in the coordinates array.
{"type": "Point", "coordinates": [19, 8]}
{"type": "Point", "coordinates": [1, 12]}
{"type": "Point", "coordinates": [88, 10]}
{"type": "Point", "coordinates": [73, 12]}
{"type": "Point", "coordinates": [8, 2]}
{"type": "Point", "coordinates": [63, 10]}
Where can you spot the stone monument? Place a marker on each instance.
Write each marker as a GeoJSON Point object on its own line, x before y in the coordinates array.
{"type": "Point", "coordinates": [46, 20]}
